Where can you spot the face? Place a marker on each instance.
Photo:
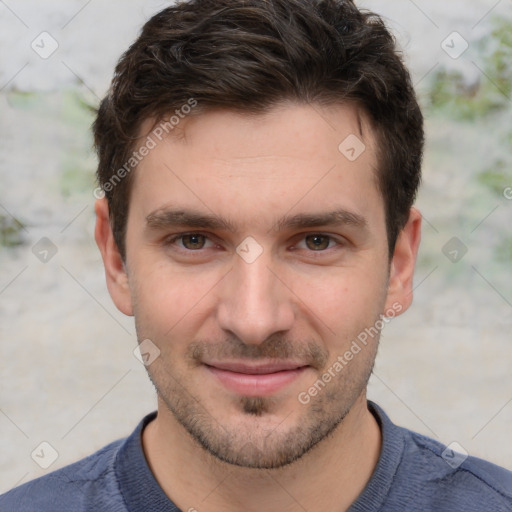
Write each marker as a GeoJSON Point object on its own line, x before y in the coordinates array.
{"type": "Point", "coordinates": [256, 255]}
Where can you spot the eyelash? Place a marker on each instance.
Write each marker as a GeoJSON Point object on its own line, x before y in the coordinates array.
{"type": "Point", "coordinates": [173, 239]}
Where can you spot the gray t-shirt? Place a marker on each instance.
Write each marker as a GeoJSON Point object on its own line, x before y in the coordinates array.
{"type": "Point", "coordinates": [414, 474]}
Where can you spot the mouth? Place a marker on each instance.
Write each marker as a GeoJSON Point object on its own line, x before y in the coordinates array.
{"type": "Point", "coordinates": [257, 379]}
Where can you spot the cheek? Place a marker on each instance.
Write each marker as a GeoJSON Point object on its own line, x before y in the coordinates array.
{"type": "Point", "coordinates": [344, 301]}
{"type": "Point", "coordinates": [168, 301]}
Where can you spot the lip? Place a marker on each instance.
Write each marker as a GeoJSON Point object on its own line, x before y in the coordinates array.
{"type": "Point", "coordinates": [261, 379]}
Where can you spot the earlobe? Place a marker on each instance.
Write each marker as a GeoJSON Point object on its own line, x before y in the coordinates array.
{"type": "Point", "coordinates": [115, 271]}
{"type": "Point", "coordinates": [403, 263]}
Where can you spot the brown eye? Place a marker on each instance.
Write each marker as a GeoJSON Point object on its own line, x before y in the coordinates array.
{"type": "Point", "coordinates": [317, 242]}
{"type": "Point", "coordinates": [193, 242]}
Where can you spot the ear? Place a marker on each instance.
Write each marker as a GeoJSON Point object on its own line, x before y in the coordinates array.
{"type": "Point", "coordinates": [115, 272]}
{"type": "Point", "coordinates": [403, 262]}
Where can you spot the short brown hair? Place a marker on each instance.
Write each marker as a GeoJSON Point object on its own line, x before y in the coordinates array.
{"type": "Point", "coordinates": [250, 55]}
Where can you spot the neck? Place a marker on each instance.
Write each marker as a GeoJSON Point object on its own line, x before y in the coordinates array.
{"type": "Point", "coordinates": [328, 477]}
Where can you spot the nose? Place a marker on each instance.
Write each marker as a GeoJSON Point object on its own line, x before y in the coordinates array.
{"type": "Point", "coordinates": [254, 302]}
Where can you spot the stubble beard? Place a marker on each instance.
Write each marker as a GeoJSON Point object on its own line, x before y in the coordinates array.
{"type": "Point", "coordinates": [263, 446]}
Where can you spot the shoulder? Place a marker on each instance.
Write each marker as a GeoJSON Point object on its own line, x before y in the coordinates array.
{"type": "Point", "coordinates": [453, 480]}
{"type": "Point", "coordinates": [87, 485]}
{"type": "Point", "coordinates": [419, 474]}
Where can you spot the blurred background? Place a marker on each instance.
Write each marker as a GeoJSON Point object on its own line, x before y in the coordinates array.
{"type": "Point", "coordinates": [68, 374]}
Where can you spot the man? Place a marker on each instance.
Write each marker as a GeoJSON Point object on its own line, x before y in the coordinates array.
{"type": "Point", "coordinates": [260, 160]}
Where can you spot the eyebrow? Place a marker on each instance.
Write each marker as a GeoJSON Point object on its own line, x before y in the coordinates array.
{"type": "Point", "coordinates": [339, 217]}
{"type": "Point", "coordinates": [165, 218]}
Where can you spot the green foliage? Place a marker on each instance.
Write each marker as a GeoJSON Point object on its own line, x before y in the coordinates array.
{"type": "Point", "coordinates": [76, 177]}
{"type": "Point", "coordinates": [76, 110]}
{"type": "Point", "coordinates": [452, 94]}
{"type": "Point", "coordinates": [501, 57]}
{"type": "Point", "coordinates": [496, 179]}
{"type": "Point", "coordinates": [23, 100]}
{"type": "Point", "coordinates": [71, 113]}
{"type": "Point", "coordinates": [77, 165]}
{"type": "Point", "coordinates": [10, 232]}
{"type": "Point", "coordinates": [464, 107]}
{"type": "Point", "coordinates": [460, 100]}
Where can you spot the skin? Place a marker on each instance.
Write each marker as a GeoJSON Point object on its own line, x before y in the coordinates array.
{"type": "Point", "coordinates": [304, 298]}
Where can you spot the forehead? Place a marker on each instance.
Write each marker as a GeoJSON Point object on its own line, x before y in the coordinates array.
{"type": "Point", "coordinates": [286, 126]}
{"type": "Point", "coordinates": [292, 157]}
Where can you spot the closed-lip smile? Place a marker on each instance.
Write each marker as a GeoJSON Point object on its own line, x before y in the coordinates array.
{"type": "Point", "coordinates": [256, 378]}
